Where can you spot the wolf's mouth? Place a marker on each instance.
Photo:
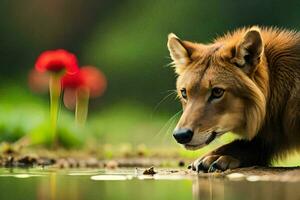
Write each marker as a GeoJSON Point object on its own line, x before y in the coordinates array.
{"type": "Point", "coordinates": [210, 138]}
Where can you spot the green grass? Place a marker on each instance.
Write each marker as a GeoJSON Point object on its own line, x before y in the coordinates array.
{"type": "Point", "coordinates": [23, 113]}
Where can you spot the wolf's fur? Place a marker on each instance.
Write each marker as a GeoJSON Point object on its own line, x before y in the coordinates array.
{"type": "Point", "coordinates": [259, 68]}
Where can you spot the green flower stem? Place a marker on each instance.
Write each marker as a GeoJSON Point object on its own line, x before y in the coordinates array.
{"type": "Point", "coordinates": [55, 91]}
{"type": "Point", "coordinates": [82, 104]}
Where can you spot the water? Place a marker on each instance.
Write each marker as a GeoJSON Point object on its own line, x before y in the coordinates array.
{"type": "Point", "coordinates": [131, 184]}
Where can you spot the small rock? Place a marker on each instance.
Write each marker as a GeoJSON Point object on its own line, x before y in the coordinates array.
{"type": "Point", "coordinates": [46, 161]}
{"type": "Point", "coordinates": [62, 163]}
{"type": "Point", "coordinates": [92, 162]}
{"type": "Point", "coordinates": [181, 163]}
{"type": "Point", "coordinates": [112, 164]}
{"type": "Point", "coordinates": [72, 162]}
{"type": "Point", "coordinates": [149, 171]}
{"type": "Point", "coordinates": [27, 160]}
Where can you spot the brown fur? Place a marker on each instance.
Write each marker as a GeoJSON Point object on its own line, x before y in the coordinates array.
{"type": "Point", "coordinates": [259, 68]}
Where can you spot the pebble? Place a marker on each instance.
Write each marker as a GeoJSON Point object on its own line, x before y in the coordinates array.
{"type": "Point", "coordinates": [27, 160]}
{"type": "Point", "coordinates": [112, 164]}
{"type": "Point", "coordinates": [92, 162]}
{"type": "Point", "coordinates": [181, 163]}
{"type": "Point", "coordinates": [149, 171]}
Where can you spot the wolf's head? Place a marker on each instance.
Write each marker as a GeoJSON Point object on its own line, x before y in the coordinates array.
{"type": "Point", "coordinates": [221, 86]}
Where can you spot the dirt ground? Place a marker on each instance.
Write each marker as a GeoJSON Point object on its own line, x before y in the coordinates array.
{"type": "Point", "coordinates": [152, 165]}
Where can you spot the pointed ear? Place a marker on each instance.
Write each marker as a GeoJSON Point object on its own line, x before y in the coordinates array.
{"type": "Point", "coordinates": [180, 51]}
{"type": "Point", "coordinates": [249, 50]}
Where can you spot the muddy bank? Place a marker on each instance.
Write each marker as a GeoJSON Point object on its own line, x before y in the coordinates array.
{"type": "Point", "coordinates": [65, 159]}
{"type": "Point", "coordinates": [152, 167]}
{"type": "Point", "coordinates": [11, 157]}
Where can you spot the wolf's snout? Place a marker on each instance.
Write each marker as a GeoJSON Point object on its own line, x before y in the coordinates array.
{"type": "Point", "coordinates": [183, 135]}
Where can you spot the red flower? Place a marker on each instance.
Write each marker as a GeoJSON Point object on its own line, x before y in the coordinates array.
{"type": "Point", "coordinates": [57, 60]}
{"type": "Point", "coordinates": [89, 77]}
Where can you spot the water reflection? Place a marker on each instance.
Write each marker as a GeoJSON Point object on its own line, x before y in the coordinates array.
{"type": "Point", "coordinates": [111, 177]}
{"type": "Point", "coordinates": [225, 189]}
{"type": "Point", "coordinates": [20, 175]}
{"type": "Point", "coordinates": [125, 184]}
{"type": "Point", "coordinates": [53, 186]}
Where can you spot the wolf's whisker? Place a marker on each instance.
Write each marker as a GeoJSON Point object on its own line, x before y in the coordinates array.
{"type": "Point", "coordinates": [171, 92]}
{"type": "Point", "coordinates": [167, 124]}
{"type": "Point", "coordinates": [167, 133]}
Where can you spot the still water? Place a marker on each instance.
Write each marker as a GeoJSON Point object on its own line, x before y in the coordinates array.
{"type": "Point", "coordinates": [17, 184]}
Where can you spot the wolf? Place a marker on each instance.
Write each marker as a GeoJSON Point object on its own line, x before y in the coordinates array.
{"type": "Point", "coordinates": [246, 82]}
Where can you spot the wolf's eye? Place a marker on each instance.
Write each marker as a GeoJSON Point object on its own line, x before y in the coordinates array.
{"type": "Point", "coordinates": [217, 92]}
{"type": "Point", "coordinates": [183, 93]}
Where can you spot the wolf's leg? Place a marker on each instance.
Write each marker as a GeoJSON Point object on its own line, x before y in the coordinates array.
{"type": "Point", "coordinates": [239, 153]}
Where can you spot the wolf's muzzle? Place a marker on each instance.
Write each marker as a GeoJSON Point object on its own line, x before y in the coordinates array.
{"type": "Point", "coordinates": [183, 135]}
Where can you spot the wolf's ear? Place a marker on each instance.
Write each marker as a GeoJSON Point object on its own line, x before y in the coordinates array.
{"type": "Point", "coordinates": [249, 50]}
{"type": "Point", "coordinates": [180, 51]}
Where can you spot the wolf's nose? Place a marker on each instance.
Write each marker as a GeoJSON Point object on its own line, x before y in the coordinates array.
{"type": "Point", "coordinates": [183, 135]}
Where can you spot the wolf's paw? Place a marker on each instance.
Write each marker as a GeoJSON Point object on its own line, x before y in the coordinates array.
{"type": "Point", "coordinates": [215, 163]}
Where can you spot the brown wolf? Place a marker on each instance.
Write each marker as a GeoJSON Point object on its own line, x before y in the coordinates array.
{"type": "Point", "coordinates": [246, 82]}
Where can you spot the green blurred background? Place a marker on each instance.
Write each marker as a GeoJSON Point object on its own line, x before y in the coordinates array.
{"type": "Point", "coordinates": [126, 39]}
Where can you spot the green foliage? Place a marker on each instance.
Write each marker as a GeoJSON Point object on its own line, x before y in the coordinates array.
{"type": "Point", "coordinates": [120, 123]}
{"type": "Point", "coordinates": [30, 117]}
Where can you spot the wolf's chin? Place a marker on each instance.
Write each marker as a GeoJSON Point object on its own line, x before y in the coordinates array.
{"type": "Point", "coordinates": [209, 139]}
{"type": "Point", "coordinates": [193, 147]}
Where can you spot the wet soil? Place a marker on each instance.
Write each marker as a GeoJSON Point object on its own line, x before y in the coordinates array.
{"type": "Point", "coordinates": [158, 165]}
{"type": "Point", "coordinates": [11, 156]}
{"type": "Point", "coordinates": [151, 166]}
